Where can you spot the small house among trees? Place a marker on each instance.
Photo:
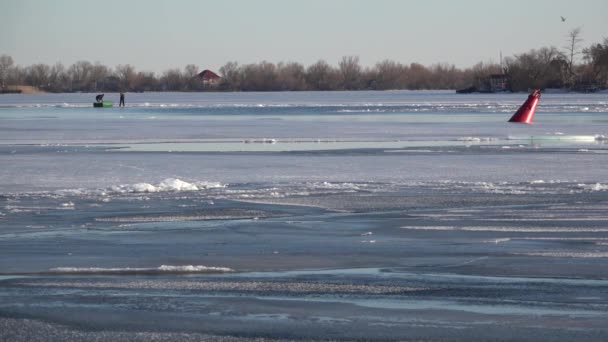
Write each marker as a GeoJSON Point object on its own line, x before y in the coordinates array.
{"type": "Point", "coordinates": [209, 78]}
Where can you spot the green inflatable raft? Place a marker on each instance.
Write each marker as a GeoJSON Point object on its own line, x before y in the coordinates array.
{"type": "Point", "coordinates": [104, 104]}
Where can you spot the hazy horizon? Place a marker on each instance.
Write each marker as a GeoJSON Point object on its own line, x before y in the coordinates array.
{"type": "Point", "coordinates": [156, 36]}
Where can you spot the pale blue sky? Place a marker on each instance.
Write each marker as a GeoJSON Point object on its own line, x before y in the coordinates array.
{"type": "Point", "coordinates": [156, 35]}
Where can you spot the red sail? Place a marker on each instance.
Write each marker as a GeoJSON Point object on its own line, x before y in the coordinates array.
{"type": "Point", "coordinates": [525, 113]}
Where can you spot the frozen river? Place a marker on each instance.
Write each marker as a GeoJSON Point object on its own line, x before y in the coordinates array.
{"type": "Point", "coordinates": [303, 215]}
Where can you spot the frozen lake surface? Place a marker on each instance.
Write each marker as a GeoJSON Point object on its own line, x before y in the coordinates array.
{"type": "Point", "coordinates": [303, 215]}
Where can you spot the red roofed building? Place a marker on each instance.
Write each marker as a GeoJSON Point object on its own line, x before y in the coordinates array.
{"type": "Point", "coordinates": [209, 77]}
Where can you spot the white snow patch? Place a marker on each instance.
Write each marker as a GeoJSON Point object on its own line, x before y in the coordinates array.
{"type": "Point", "coordinates": [567, 254]}
{"type": "Point", "coordinates": [594, 187]}
{"type": "Point", "coordinates": [167, 185]}
{"type": "Point", "coordinates": [160, 269]}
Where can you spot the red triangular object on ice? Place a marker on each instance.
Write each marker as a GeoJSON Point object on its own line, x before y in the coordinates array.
{"type": "Point", "coordinates": [525, 113]}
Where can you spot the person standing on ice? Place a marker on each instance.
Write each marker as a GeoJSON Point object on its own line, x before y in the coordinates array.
{"type": "Point", "coordinates": [122, 100]}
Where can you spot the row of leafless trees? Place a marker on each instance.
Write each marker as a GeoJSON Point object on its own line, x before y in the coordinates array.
{"type": "Point", "coordinates": [87, 77]}
{"type": "Point", "coordinates": [549, 67]}
{"type": "Point", "coordinates": [348, 75]}
{"type": "Point", "coordinates": [264, 76]}
{"type": "Point", "coordinates": [542, 68]}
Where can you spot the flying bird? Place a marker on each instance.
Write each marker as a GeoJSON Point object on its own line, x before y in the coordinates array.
{"type": "Point", "coordinates": [563, 19]}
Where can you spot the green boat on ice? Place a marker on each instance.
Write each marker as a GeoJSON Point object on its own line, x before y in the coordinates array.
{"type": "Point", "coordinates": [104, 104]}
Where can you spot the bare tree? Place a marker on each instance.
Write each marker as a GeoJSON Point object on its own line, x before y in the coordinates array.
{"type": "Point", "coordinates": [190, 70]}
{"type": "Point", "coordinates": [126, 74]}
{"type": "Point", "coordinates": [38, 75]}
{"type": "Point", "coordinates": [483, 70]}
{"type": "Point", "coordinates": [597, 57]}
{"type": "Point", "coordinates": [321, 76]}
{"type": "Point", "coordinates": [6, 62]}
{"type": "Point", "coordinates": [535, 69]}
{"type": "Point", "coordinates": [99, 73]}
{"type": "Point", "coordinates": [444, 76]}
{"type": "Point", "coordinates": [418, 77]}
{"type": "Point", "coordinates": [191, 77]}
{"type": "Point", "coordinates": [146, 81]}
{"type": "Point", "coordinates": [291, 76]}
{"type": "Point", "coordinates": [80, 75]}
{"type": "Point", "coordinates": [259, 77]}
{"type": "Point", "coordinates": [59, 79]}
{"type": "Point", "coordinates": [230, 76]}
{"type": "Point", "coordinates": [172, 80]}
{"type": "Point", "coordinates": [16, 75]}
{"type": "Point", "coordinates": [389, 75]}
{"type": "Point", "coordinates": [350, 70]}
{"type": "Point", "coordinates": [572, 50]}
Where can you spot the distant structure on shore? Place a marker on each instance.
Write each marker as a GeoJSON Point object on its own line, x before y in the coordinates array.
{"type": "Point", "coordinates": [209, 78]}
{"type": "Point", "coordinates": [495, 83]}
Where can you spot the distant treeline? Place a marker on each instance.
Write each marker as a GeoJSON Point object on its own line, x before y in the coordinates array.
{"type": "Point", "coordinates": [546, 67]}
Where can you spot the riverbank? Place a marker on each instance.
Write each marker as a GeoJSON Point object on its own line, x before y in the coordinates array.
{"type": "Point", "coordinates": [21, 89]}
